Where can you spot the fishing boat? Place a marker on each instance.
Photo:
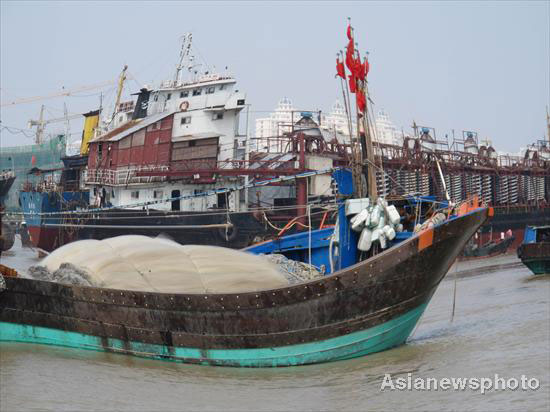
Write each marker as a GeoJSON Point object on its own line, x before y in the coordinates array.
{"type": "Point", "coordinates": [534, 251]}
{"type": "Point", "coordinates": [369, 299]}
{"type": "Point", "coordinates": [490, 249]}
{"type": "Point", "coordinates": [360, 308]}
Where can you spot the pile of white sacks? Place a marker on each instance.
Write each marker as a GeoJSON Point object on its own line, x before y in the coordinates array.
{"type": "Point", "coordinates": [377, 222]}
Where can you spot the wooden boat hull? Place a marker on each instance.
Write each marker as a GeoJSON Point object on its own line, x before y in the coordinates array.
{"type": "Point", "coordinates": [384, 336]}
{"type": "Point", "coordinates": [365, 308]}
{"type": "Point", "coordinates": [536, 256]}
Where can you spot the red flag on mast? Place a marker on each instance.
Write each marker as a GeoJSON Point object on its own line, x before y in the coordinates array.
{"type": "Point", "coordinates": [352, 83]}
{"type": "Point", "coordinates": [340, 69]}
{"type": "Point", "coordinates": [361, 101]}
{"type": "Point", "coordinates": [366, 66]}
{"type": "Point", "coordinates": [350, 60]}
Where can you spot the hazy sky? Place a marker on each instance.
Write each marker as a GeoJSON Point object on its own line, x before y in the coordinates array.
{"type": "Point", "coordinates": [480, 66]}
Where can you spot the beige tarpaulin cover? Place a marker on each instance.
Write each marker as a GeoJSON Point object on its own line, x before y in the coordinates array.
{"type": "Point", "coordinates": [161, 265]}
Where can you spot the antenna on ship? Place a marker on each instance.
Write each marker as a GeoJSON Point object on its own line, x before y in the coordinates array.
{"type": "Point", "coordinates": [185, 58]}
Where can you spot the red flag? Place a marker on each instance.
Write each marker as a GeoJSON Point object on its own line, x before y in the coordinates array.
{"type": "Point", "coordinates": [361, 101]}
{"type": "Point", "coordinates": [352, 83]}
{"type": "Point", "coordinates": [33, 160]}
{"type": "Point", "coordinates": [340, 69]}
{"type": "Point", "coordinates": [350, 60]}
{"type": "Point", "coordinates": [350, 37]}
{"type": "Point", "coordinates": [359, 69]}
{"type": "Point", "coordinates": [366, 66]}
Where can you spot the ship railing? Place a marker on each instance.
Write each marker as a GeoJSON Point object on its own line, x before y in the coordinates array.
{"type": "Point", "coordinates": [125, 176]}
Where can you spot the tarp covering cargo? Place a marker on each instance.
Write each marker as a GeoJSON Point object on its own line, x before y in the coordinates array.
{"type": "Point", "coordinates": [158, 265]}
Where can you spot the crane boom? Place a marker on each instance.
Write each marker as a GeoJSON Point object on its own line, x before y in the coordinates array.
{"type": "Point", "coordinates": [58, 94]}
{"type": "Point", "coordinates": [58, 119]}
{"type": "Point", "coordinates": [41, 123]}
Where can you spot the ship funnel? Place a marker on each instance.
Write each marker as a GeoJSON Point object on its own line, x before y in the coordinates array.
{"type": "Point", "coordinates": [91, 120]}
{"type": "Point", "coordinates": [142, 103]}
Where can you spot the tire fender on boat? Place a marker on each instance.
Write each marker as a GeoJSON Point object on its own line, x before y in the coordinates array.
{"type": "Point", "coordinates": [228, 234]}
{"type": "Point", "coordinates": [184, 106]}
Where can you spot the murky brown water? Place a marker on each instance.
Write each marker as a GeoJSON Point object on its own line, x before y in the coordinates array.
{"type": "Point", "coordinates": [501, 325]}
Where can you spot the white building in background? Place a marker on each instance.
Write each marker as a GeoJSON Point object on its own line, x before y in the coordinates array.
{"type": "Point", "coordinates": [386, 132]}
{"type": "Point", "coordinates": [335, 122]}
{"type": "Point", "coordinates": [279, 121]}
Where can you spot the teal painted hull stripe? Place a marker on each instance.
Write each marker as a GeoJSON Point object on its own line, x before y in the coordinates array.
{"type": "Point", "coordinates": [389, 334]}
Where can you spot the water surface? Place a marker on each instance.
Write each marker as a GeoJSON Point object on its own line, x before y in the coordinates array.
{"type": "Point", "coordinates": [501, 325]}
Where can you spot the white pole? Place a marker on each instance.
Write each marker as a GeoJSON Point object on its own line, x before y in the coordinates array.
{"type": "Point", "coordinates": [246, 156]}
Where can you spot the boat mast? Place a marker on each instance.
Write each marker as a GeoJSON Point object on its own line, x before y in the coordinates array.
{"type": "Point", "coordinates": [371, 172]}
{"type": "Point", "coordinates": [121, 81]}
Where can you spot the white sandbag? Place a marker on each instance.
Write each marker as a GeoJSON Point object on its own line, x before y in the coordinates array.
{"type": "Point", "coordinates": [355, 206]}
{"type": "Point", "coordinates": [358, 221]}
{"type": "Point", "coordinates": [382, 240]}
{"type": "Point", "coordinates": [375, 235]}
{"type": "Point", "coordinates": [381, 202]}
{"type": "Point", "coordinates": [374, 216]}
{"type": "Point", "coordinates": [399, 227]}
{"type": "Point", "coordinates": [389, 232]}
{"type": "Point", "coordinates": [365, 241]}
{"type": "Point", "coordinates": [381, 222]}
{"type": "Point", "coordinates": [393, 215]}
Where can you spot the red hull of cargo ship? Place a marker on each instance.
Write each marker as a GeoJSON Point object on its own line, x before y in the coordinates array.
{"type": "Point", "coordinates": [44, 238]}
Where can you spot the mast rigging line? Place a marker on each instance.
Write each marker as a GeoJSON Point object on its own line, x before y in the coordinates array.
{"type": "Point", "coordinates": [143, 227]}
{"type": "Point", "coordinates": [222, 212]}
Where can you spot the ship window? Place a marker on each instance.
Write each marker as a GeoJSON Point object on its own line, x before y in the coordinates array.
{"type": "Point", "coordinates": [184, 93]}
{"type": "Point", "coordinates": [210, 90]}
{"type": "Point", "coordinates": [186, 120]}
{"type": "Point", "coordinates": [134, 194]}
{"type": "Point", "coordinates": [240, 102]}
{"type": "Point", "coordinates": [158, 194]}
{"type": "Point", "coordinates": [197, 92]}
{"type": "Point", "coordinates": [217, 116]}
{"type": "Point", "coordinates": [168, 96]}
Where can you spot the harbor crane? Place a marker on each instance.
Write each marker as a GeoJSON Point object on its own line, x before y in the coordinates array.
{"type": "Point", "coordinates": [41, 122]}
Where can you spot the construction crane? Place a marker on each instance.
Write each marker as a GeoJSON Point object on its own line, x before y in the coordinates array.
{"type": "Point", "coordinates": [41, 123]}
{"type": "Point", "coordinates": [60, 93]}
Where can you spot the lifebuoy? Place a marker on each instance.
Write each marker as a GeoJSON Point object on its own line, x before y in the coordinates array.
{"type": "Point", "coordinates": [184, 106]}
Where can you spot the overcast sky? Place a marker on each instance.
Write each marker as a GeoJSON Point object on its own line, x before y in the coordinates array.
{"type": "Point", "coordinates": [481, 66]}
